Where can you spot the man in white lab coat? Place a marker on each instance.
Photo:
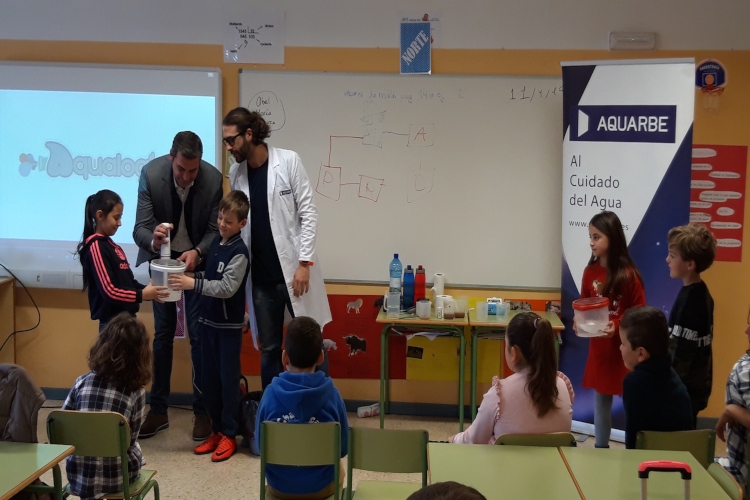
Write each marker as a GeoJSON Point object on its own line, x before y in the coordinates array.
{"type": "Point", "coordinates": [285, 278]}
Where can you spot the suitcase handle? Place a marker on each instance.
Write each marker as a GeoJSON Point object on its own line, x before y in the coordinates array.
{"type": "Point", "coordinates": [664, 466]}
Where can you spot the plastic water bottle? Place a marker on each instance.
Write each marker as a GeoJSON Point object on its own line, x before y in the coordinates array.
{"type": "Point", "coordinates": [408, 288]}
{"type": "Point", "coordinates": [419, 284]}
{"type": "Point", "coordinates": [396, 271]}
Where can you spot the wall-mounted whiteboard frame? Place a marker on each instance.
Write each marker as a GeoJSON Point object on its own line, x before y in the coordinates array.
{"type": "Point", "coordinates": [460, 174]}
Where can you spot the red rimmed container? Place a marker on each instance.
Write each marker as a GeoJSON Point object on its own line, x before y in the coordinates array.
{"type": "Point", "coordinates": [591, 316]}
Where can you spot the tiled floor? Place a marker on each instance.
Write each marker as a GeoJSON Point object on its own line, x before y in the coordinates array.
{"type": "Point", "coordinates": [182, 474]}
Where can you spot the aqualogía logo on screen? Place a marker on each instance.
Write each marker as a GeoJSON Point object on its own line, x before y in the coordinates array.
{"type": "Point", "coordinates": [61, 163]}
{"type": "Point", "coordinates": [623, 123]}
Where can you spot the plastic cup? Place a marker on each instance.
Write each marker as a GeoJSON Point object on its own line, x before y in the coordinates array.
{"type": "Point", "coordinates": [462, 304]}
{"type": "Point", "coordinates": [393, 304]}
{"type": "Point", "coordinates": [481, 311]}
{"type": "Point", "coordinates": [423, 309]}
{"type": "Point", "coordinates": [449, 309]}
{"type": "Point", "coordinates": [502, 309]}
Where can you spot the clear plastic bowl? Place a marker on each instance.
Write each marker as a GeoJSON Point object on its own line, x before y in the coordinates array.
{"type": "Point", "coordinates": [161, 269]}
{"type": "Point", "coordinates": [591, 316]}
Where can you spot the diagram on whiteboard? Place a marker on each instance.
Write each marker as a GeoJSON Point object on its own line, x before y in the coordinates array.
{"type": "Point", "coordinates": [332, 176]}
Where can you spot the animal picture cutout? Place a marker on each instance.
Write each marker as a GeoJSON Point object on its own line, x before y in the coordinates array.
{"type": "Point", "coordinates": [354, 339]}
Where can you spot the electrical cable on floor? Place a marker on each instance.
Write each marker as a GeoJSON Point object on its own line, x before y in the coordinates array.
{"type": "Point", "coordinates": [38, 314]}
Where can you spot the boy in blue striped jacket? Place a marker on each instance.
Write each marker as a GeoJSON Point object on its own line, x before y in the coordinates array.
{"type": "Point", "coordinates": [222, 290]}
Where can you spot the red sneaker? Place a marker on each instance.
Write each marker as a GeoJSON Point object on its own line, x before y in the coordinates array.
{"type": "Point", "coordinates": [209, 444]}
{"type": "Point", "coordinates": [227, 447]}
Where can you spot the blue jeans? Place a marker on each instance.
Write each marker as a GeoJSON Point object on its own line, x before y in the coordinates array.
{"type": "Point", "coordinates": [602, 419]}
{"type": "Point", "coordinates": [221, 378]}
{"type": "Point", "coordinates": [269, 301]}
{"type": "Point", "coordinates": [165, 322]}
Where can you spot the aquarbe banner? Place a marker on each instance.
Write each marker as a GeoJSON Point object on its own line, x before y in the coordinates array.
{"type": "Point", "coordinates": [627, 139]}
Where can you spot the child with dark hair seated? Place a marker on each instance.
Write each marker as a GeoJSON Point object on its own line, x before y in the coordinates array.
{"type": "Point", "coordinates": [654, 397]}
{"type": "Point", "coordinates": [447, 490]}
{"type": "Point", "coordinates": [300, 395]}
{"type": "Point", "coordinates": [120, 364]}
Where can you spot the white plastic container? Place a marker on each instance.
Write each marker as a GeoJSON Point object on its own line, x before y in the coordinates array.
{"type": "Point", "coordinates": [591, 315]}
{"type": "Point", "coordinates": [423, 309]}
{"type": "Point", "coordinates": [161, 270]}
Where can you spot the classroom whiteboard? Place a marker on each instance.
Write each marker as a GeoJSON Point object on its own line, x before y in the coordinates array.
{"type": "Point", "coordinates": [461, 174]}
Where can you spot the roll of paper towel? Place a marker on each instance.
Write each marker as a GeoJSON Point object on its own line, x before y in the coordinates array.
{"type": "Point", "coordinates": [438, 285]}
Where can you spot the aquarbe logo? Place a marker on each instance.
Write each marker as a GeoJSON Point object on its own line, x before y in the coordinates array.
{"type": "Point", "coordinates": [623, 123]}
{"type": "Point", "coordinates": [61, 163]}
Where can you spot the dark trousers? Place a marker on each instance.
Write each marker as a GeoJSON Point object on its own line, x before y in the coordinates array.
{"type": "Point", "coordinates": [269, 301]}
{"type": "Point", "coordinates": [220, 351]}
{"type": "Point", "coordinates": [165, 322]}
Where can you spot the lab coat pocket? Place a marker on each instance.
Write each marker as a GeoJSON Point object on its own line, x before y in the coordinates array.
{"type": "Point", "coordinates": [287, 199]}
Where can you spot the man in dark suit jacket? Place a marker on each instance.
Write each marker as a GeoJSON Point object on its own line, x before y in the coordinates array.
{"type": "Point", "coordinates": [183, 190]}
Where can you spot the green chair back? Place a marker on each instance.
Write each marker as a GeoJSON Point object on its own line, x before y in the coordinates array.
{"type": "Point", "coordinates": [300, 445]}
{"type": "Point", "coordinates": [553, 440]}
{"type": "Point", "coordinates": [701, 443]}
{"type": "Point", "coordinates": [725, 480]}
{"type": "Point", "coordinates": [97, 434]}
{"type": "Point", "coordinates": [387, 450]}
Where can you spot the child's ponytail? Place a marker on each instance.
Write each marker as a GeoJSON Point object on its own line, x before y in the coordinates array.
{"type": "Point", "coordinates": [535, 338]}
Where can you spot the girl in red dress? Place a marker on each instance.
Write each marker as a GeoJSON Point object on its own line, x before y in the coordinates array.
{"type": "Point", "coordinates": [610, 273]}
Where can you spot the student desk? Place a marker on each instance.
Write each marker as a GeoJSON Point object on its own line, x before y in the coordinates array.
{"type": "Point", "coordinates": [502, 472]}
{"type": "Point", "coordinates": [22, 463]}
{"type": "Point", "coordinates": [614, 474]}
{"type": "Point", "coordinates": [405, 324]}
{"type": "Point", "coordinates": [494, 328]}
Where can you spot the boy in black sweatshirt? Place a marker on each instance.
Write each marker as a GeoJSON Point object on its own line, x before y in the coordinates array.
{"type": "Point", "coordinates": [222, 286]}
{"type": "Point", "coordinates": [692, 249]}
{"type": "Point", "coordinates": [654, 397]}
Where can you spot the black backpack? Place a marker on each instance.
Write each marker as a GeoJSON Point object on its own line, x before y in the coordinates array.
{"type": "Point", "coordinates": [248, 412]}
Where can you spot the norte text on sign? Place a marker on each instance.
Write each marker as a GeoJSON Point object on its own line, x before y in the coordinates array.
{"type": "Point", "coordinates": [413, 49]}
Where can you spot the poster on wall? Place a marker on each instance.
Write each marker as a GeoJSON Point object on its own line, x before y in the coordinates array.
{"type": "Point", "coordinates": [717, 197]}
{"type": "Point", "coordinates": [416, 49]}
{"type": "Point", "coordinates": [626, 149]}
{"type": "Point", "coordinates": [255, 36]}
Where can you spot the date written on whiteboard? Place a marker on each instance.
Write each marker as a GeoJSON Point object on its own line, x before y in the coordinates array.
{"type": "Point", "coordinates": [529, 94]}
